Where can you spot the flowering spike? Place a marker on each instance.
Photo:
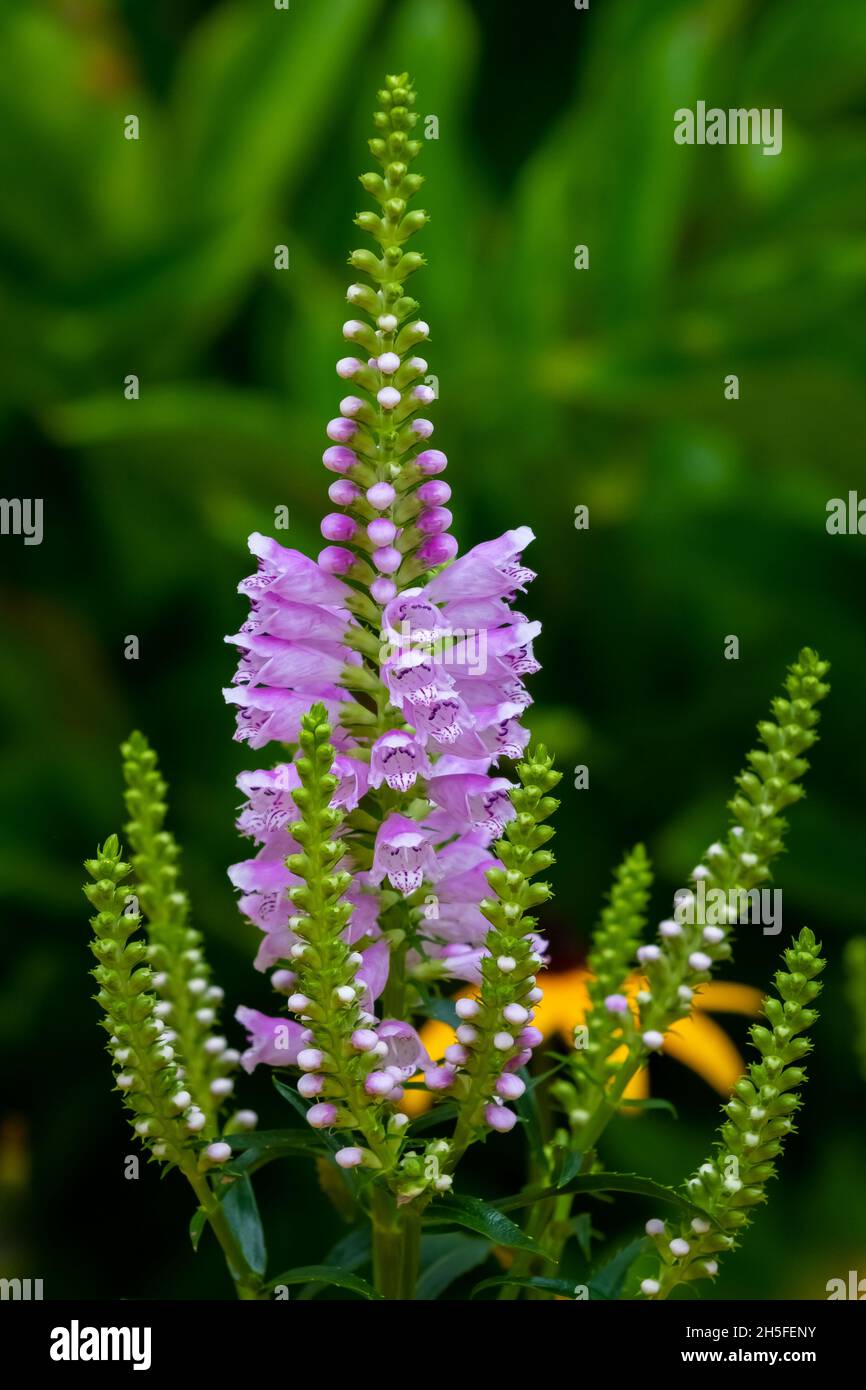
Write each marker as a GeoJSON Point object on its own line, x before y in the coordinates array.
{"type": "Point", "coordinates": [742, 862]}
{"type": "Point", "coordinates": [145, 1071]}
{"type": "Point", "coordinates": [758, 1118]}
{"type": "Point", "coordinates": [502, 1036]}
{"type": "Point", "coordinates": [391, 533]}
{"type": "Point", "coordinates": [609, 1022]}
{"type": "Point", "coordinates": [182, 978]}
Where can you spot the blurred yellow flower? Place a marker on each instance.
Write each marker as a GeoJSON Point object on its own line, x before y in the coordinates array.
{"type": "Point", "coordinates": [696, 1041]}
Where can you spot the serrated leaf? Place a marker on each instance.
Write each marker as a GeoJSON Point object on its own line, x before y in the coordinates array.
{"type": "Point", "coordinates": [601, 1183]}
{"type": "Point", "coordinates": [242, 1213]}
{"type": "Point", "coordinates": [326, 1274]}
{"type": "Point", "coordinates": [483, 1217]}
{"type": "Point", "coordinates": [608, 1281]}
{"type": "Point", "coordinates": [446, 1258]}
{"type": "Point", "coordinates": [564, 1287]}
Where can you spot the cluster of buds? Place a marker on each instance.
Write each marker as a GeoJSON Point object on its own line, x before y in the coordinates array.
{"type": "Point", "coordinates": [146, 1073]}
{"type": "Point", "coordinates": [394, 523]}
{"type": "Point", "coordinates": [496, 1036]}
{"type": "Point", "coordinates": [611, 1019]}
{"type": "Point", "coordinates": [758, 1119]}
{"type": "Point", "coordinates": [352, 1065]}
{"type": "Point", "coordinates": [688, 950]}
{"type": "Point", "coordinates": [188, 1000]}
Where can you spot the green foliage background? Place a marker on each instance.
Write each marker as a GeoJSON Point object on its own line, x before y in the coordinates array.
{"type": "Point", "coordinates": [558, 387]}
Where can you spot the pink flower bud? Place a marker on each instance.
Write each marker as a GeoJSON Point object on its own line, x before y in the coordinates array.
{"type": "Point", "coordinates": [388, 363]}
{"type": "Point", "coordinates": [378, 1083]}
{"type": "Point", "coordinates": [381, 496]}
{"type": "Point", "coordinates": [335, 560]}
{"type": "Point", "coordinates": [432, 461]}
{"type": "Point", "coordinates": [467, 1008]}
{"type": "Point", "coordinates": [339, 459]}
{"type": "Point", "coordinates": [387, 560]}
{"type": "Point", "coordinates": [322, 1115]}
{"type": "Point", "coordinates": [336, 526]}
{"type": "Point", "coordinates": [434, 493]}
{"type": "Point", "coordinates": [436, 550]}
{"type": "Point", "coordinates": [310, 1059]}
{"type": "Point", "coordinates": [388, 397]}
{"type": "Point", "coordinates": [383, 590]}
{"type": "Point", "coordinates": [364, 1039]}
{"type": "Point", "coordinates": [310, 1085]}
{"type": "Point", "coordinates": [500, 1118]}
{"type": "Point", "coordinates": [343, 493]}
{"type": "Point", "coordinates": [510, 1087]}
{"type": "Point", "coordinates": [434, 521]}
{"type": "Point", "coordinates": [349, 1158]}
{"type": "Point", "coordinates": [381, 531]}
{"type": "Point", "coordinates": [341, 429]}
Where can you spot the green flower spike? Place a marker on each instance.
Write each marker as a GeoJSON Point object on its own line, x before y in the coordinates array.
{"type": "Point", "coordinates": [759, 1117]}
{"type": "Point", "coordinates": [146, 1073]}
{"type": "Point", "coordinates": [328, 992]}
{"type": "Point", "coordinates": [742, 863]}
{"type": "Point", "coordinates": [163, 1116]}
{"type": "Point", "coordinates": [508, 974]}
{"type": "Point", "coordinates": [610, 962]}
{"type": "Point", "coordinates": [182, 978]}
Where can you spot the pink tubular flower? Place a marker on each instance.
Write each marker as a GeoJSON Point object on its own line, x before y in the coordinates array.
{"type": "Point", "coordinates": [404, 854]}
{"type": "Point", "coordinates": [397, 759]}
{"type": "Point", "coordinates": [276, 1041]}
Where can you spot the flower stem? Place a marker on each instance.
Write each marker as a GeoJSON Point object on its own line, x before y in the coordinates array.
{"type": "Point", "coordinates": [396, 1246]}
{"type": "Point", "coordinates": [248, 1285]}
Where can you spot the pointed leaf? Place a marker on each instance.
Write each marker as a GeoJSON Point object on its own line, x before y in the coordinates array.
{"type": "Point", "coordinates": [601, 1183]}
{"type": "Point", "coordinates": [242, 1213]}
{"type": "Point", "coordinates": [482, 1217]}
{"type": "Point", "coordinates": [325, 1274]}
{"type": "Point", "coordinates": [564, 1287]}
{"type": "Point", "coordinates": [607, 1282]}
{"type": "Point", "coordinates": [197, 1225]}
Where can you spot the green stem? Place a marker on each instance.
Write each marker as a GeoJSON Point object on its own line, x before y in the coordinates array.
{"type": "Point", "coordinates": [396, 1246]}
{"type": "Point", "coordinates": [248, 1285]}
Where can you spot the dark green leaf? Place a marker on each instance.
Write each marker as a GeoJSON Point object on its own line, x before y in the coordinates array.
{"type": "Point", "coordinates": [564, 1287]}
{"type": "Point", "coordinates": [325, 1274]}
{"type": "Point", "coordinates": [530, 1114]}
{"type": "Point", "coordinates": [581, 1229]}
{"type": "Point", "coordinates": [351, 1252]}
{"type": "Point", "coordinates": [480, 1216]}
{"type": "Point", "coordinates": [444, 1259]}
{"type": "Point", "coordinates": [607, 1282]}
{"type": "Point", "coordinates": [242, 1213]}
{"type": "Point", "coordinates": [651, 1103]}
{"type": "Point", "coordinates": [601, 1183]}
{"type": "Point", "coordinates": [570, 1167]}
{"type": "Point", "coordinates": [197, 1225]}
